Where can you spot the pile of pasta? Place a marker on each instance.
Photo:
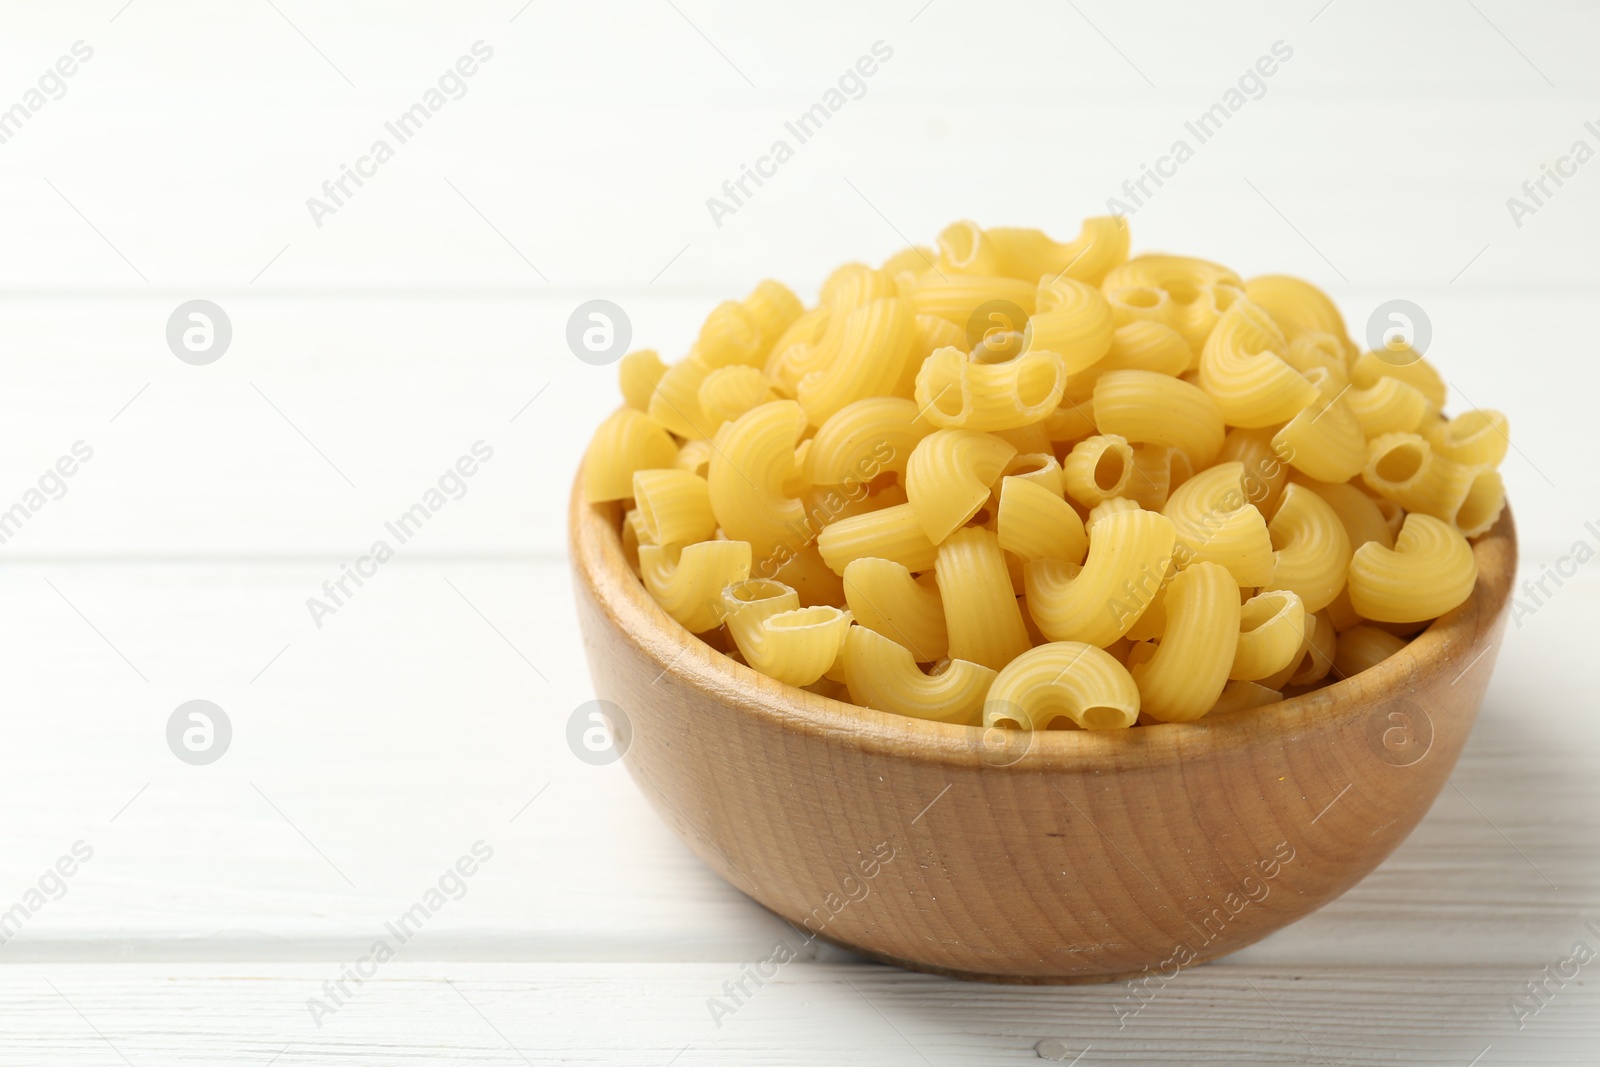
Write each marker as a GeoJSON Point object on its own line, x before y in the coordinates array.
{"type": "Point", "coordinates": [1017, 482]}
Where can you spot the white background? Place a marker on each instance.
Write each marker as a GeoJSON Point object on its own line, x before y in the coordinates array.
{"type": "Point", "coordinates": [429, 313]}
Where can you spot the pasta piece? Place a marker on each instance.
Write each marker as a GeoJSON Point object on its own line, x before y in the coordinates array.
{"type": "Point", "coordinates": [1341, 613]}
{"type": "Point", "coordinates": [1311, 550]}
{"type": "Point", "coordinates": [1397, 464]}
{"type": "Point", "coordinates": [628, 441]}
{"type": "Point", "coordinates": [1363, 520]}
{"type": "Point", "coordinates": [694, 457]}
{"type": "Point", "coordinates": [797, 646]}
{"type": "Point", "coordinates": [864, 439]}
{"type": "Point", "coordinates": [1324, 441]}
{"type": "Point", "coordinates": [1405, 469]}
{"type": "Point", "coordinates": [798, 351]}
{"type": "Point", "coordinates": [892, 533]}
{"type": "Point", "coordinates": [980, 611]}
{"type": "Point", "coordinates": [1265, 473]}
{"type": "Point", "coordinates": [730, 337]}
{"type": "Point", "coordinates": [675, 403]}
{"type": "Point", "coordinates": [754, 457]}
{"type": "Point", "coordinates": [773, 307]}
{"type": "Point", "coordinates": [1107, 508]}
{"type": "Point", "coordinates": [1157, 472]}
{"type": "Point", "coordinates": [1129, 553]}
{"type": "Point", "coordinates": [637, 376]}
{"type": "Point", "coordinates": [1241, 369]}
{"type": "Point", "coordinates": [1363, 647]}
{"type": "Point", "coordinates": [633, 535]}
{"type": "Point", "coordinates": [869, 359]}
{"type": "Point", "coordinates": [965, 248]}
{"type": "Point", "coordinates": [1484, 503]}
{"type": "Point", "coordinates": [1063, 680]}
{"type": "Point", "coordinates": [912, 260]}
{"type": "Point", "coordinates": [1144, 345]}
{"type": "Point", "coordinates": [1389, 406]}
{"type": "Point", "coordinates": [958, 297]}
{"type": "Point", "coordinates": [687, 580]}
{"type": "Point", "coordinates": [954, 392]}
{"type": "Point", "coordinates": [949, 475]}
{"type": "Point", "coordinates": [996, 346]}
{"type": "Point", "coordinates": [1272, 629]}
{"type": "Point", "coordinates": [1299, 308]}
{"type": "Point", "coordinates": [1098, 469]}
{"type": "Point", "coordinates": [1041, 468]}
{"type": "Point", "coordinates": [1034, 523]}
{"type": "Point", "coordinates": [884, 598]}
{"type": "Point", "coordinates": [747, 604]}
{"type": "Point", "coordinates": [1320, 353]}
{"type": "Point", "coordinates": [930, 333]}
{"type": "Point", "coordinates": [1137, 303]}
{"type": "Point", "coordinates": [856, 285]}
{"type": "Point", "coordinates": [1430, 571]}
{"type": "Point", "coordinates": [1216, 523]}
{"type": "Point", "coordinates": [1406, 365]}
{"type": "Point", "coordinates": [1477, 438]}
{"type": "Point", "coordinates": [806, 572]}
{"type": "Point", "coordinates": [1321, 646]}
{"type": "Point", "coordinates": [1198, 292]}
{"type": "Point", "coordinates": [1072, 320]}
{"type": "Point", "coordinates": [1185, 677]}
{"type": "Point", "coordinates": [883, 674]}
{"type": "Point", "coordinates": [728, 392]}
{"type": "Point", "coordinates": [1155, 409]}
{"type": "Point", "coordinates": [674, 506]}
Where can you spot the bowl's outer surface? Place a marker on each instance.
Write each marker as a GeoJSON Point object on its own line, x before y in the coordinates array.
{"type": "Point", "coordinates": [1080, 856]}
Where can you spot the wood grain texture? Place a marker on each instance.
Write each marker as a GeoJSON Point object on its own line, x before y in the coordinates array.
{"type": "Point", "coordinates": [1076, 856]}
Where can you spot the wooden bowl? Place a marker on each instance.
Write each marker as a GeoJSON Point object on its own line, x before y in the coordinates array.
{"type": "Point", "coordinates": [1064, 856]}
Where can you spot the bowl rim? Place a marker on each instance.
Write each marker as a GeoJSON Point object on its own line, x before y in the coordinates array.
{"type": "Point", "coordinates": [598, 563]}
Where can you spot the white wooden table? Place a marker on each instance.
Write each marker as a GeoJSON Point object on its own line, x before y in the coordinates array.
{"type": "Point", "coordinates": [429, 313]}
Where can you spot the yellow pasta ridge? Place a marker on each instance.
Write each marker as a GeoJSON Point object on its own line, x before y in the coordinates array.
{"type": "Point", "coordinates": [883, 674]}
{"type": "Point", "coordinates": [687, 581]}
{"type": "Point", "coordinates": [798, 646]}
{"type": "Point", "coordinates": [892, 533]}
{"type": "Point", "coordinates": [1064, 679]}
{"type": "Point", "coordinates": [873, 435]}
{"type": "Point", "coordinates": [868, 360]}
{"type": "Point", "coordinates": [949, 476]}
{"type": "Point", "coordinates": [626, 442]}
{"type": "Point", "coordinates": [1186, 676]}
{"type": "Point", "coordinates": [753, 458]}
{"type": "Point", "coordinates": [1027, 254]}
{"type": "Point", "coordinates": [1034, 523]}
{"type": "Point", "coordinates": [1311, 548]}
{"type": "Point", "coordinates": [1129, 553]}
{"type": "Point", "coordinates": [1155, 409]}
{"type": "Point", "coordinates": [981, 613]}
{"type": "Point", "coordinates": [1297, 306]}
{"type": "Point", "coordinates": [1430, 571]}
{"type": "Point", "coordinates": [1216, 523]}
{"type": "Point", "coordinates": [885, 598]}
{"type": "Point", "coordinates": [1272, 628]}
{"type": "Point", "coordinates": [1241, 369]}
{"type": "Point", "coordinates": [953, 392]}
{"type": "Point", "coordinates": [1073, 320]}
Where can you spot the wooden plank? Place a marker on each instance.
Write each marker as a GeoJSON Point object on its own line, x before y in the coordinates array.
{"type": "Point", "coordinates": [1416, 160]}
{"type": "Point", "coordinates": [411, 726]}
{"type": "Point", "coordinates": [808, 1013]}
{"type": "Point", "coordinates": [330, 417]}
